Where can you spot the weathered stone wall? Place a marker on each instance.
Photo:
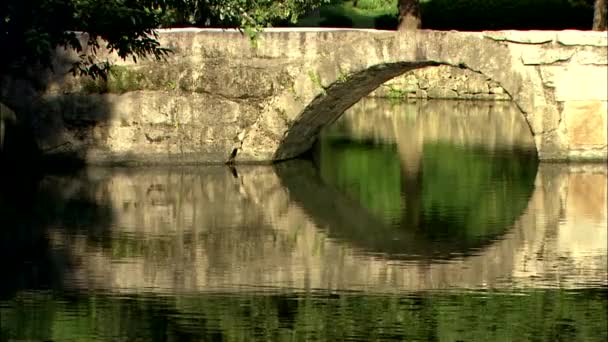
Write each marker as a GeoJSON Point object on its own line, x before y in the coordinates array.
{"type": "Point", "coordinates": [442, 82]}
{"type": "Point", "coordinates": [220, 94]}
{"type": "Point", "coordinates": [187, 109]}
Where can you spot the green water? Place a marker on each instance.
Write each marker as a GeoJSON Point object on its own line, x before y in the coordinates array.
{"type": "Point", "coordinates": [412, 222]}
{"type": "Point", "coordinates": [537, 316]}
{"type": "Point", "coordinates": [459, 197]}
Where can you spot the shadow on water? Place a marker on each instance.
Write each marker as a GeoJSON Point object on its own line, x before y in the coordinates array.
{"type": "Point", "coordinates": [29, 208]}
{"type": "Point", "coordinates": [49, 123]}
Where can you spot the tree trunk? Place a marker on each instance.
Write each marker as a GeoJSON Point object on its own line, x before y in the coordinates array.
{"type": "Point", "coordinates": [600, 23]}
{"type": "Point", "coordinates": [409, 14]}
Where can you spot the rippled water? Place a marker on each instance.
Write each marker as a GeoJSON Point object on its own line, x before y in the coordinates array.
{"type": "Point", "coordinates": [428, 221]}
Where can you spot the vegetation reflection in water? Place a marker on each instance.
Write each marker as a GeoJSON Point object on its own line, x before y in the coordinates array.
{"type": "Point", "coordinates": [498, 248]}
{"type": "Point", "coordinates": [449, 190]}
{"type": "Point", "coordinates": [538, 316]}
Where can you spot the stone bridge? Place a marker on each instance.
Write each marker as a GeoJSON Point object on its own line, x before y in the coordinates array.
{"type": "Point", "coordinates": [221, 95]}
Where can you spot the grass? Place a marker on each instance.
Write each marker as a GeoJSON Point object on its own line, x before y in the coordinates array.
{"type": "Point", "coordinates": [362, 16]}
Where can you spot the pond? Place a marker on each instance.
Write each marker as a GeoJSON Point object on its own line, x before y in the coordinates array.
{"type": "Point", "coordinates": [429, 220]}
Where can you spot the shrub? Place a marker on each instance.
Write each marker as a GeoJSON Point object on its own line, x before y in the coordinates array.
{"type": "Point", "coordinates": [386, 22]}
{"type": "Point", "coordinates": [336, 20]}
{"type": "Point", "coordinates": [476, 15]}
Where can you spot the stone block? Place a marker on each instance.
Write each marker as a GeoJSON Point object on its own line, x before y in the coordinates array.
{"type": "Point", "coordinates": [411, 79]}
{"type": "Point", "coordinates": [586, 123]}
{"type": "Point", "coordinates": [589, 38]}
{"type": "Point", "coordinates": [423, 83]}
{"type": "Point", "coordinates": [441, 93]}
{"type": "Point", "coordinates": [460, 74]}
{"type": "Point", "coordinates": [545, 118]}
{"type": "Point", "coordinates": [582, 82]}
{"type": "Point", "coordinates": [436, 75]}
{"type": "Point", "coordinates": [501, 97]}
{"type": "Point", "coordinates": [525, 37]}
{"type": "Point", "coordinates": [474, 85]}
{"type": "Point", "coordinates": [587, 56]}
{"type": "Point", "coordinates": [548, 74]}
{"type": "Point", "coordinates": [421, 94]}
{"type": "Point", "coordinates": [497, 90]}
{"type": "Point", "coordinates": [539, 55]}
{"type": "Point", "coordinates": [409, 88]}
{"type": "Point", "coordinates": [552, 145]}
{"type": "Point", "coordinates": [451, 83]}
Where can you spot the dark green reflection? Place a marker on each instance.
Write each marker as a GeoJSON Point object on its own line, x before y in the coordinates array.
{"type": "Point", "coordinates": [551, 315]}
{"type": "Point", "coordinates": [491, 190]}
{"type": "Point", "coordinates": [451, 189]}
{"type": "Point", "coordinates": [367, 172]}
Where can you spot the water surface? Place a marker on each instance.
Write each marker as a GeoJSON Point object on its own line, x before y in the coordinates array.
{"type": "Point", "coordinates": [419, 221]}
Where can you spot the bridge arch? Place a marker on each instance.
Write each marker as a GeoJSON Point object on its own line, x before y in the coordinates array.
{"type": "Point", "coordinates": [328, 106]}
{"type": "Point", "coordinates": [329, 83]}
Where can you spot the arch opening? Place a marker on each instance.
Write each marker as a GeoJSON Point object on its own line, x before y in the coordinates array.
{"type": "Point", "coordinates": [332, 101]}
{"type": "Point", "coordinates": [453, 190]}
{"type": "Point", "coordinates": [413, 208]}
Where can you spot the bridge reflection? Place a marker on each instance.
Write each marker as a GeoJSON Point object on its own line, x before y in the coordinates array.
{"type": "Point", "coordinates": [434, 170]}
{"type": "Point", "coordinates": [296, 226]}
{"type": "Point", "coordinates": [183, 230]}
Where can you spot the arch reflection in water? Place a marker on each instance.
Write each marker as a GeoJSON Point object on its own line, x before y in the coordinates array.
{"type": "Point", "coordinates": [444, 177]}
{"type": "Point", "coordinates": [191, 229]}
